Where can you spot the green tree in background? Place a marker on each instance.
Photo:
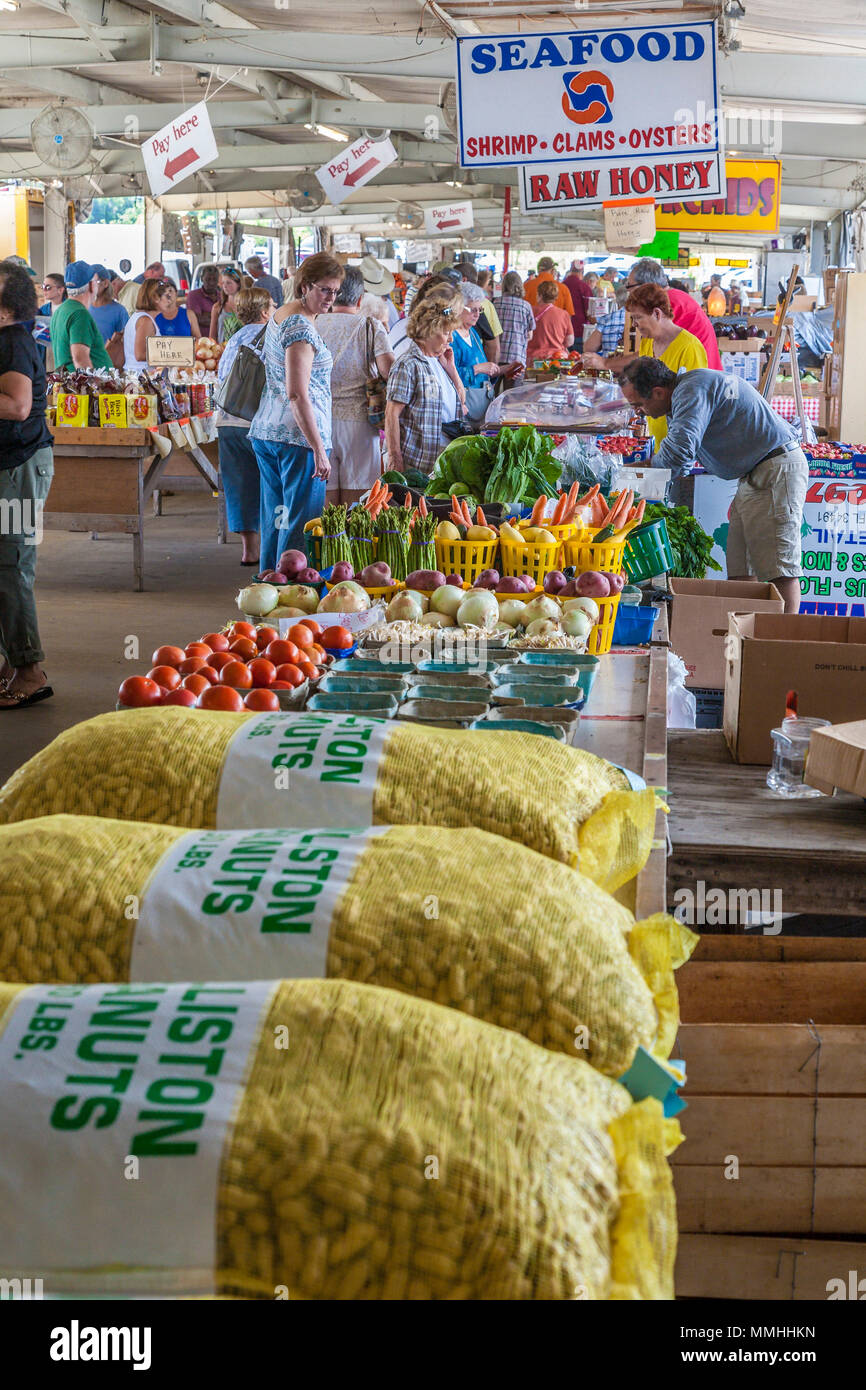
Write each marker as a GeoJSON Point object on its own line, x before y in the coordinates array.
{"type": "Point", "coordinates": [125, 210]}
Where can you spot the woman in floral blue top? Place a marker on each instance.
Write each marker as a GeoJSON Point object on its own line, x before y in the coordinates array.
{"type": "Point", "coordinates": [291, 430]}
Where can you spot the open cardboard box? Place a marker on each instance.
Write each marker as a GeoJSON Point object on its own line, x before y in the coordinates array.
{"type": "Point", "coordinates": [837, 759]}
{"type": "Point", "coordinates": [699, 621]}
{"type": "Point", "coordinates": [768, 654]}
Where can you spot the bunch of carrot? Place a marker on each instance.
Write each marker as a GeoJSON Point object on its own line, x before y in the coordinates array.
{"type": "Point", "coordinates": [563, 512]}
{"type": "Point", "coordinates": [618, 514]}
{"type": "Point", "coordinates": [378, 497]}
{"type": "Point", "coordinates": [460, 513]}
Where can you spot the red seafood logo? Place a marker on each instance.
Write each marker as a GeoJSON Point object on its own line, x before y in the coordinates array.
{"type": "Point", "coordinates": [587, 97]}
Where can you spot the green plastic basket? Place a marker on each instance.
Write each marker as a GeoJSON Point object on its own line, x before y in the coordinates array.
{"type": "Point", "coordinates": [648, 551]}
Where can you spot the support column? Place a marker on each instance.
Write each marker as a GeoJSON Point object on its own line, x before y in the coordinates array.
{"type": "Point", "coordinates": [152, 231]}
{"type": "Point", "coordinates": [55, 248]}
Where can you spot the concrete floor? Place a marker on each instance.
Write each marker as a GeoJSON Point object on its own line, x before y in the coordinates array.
{"type": "Point", "coordinates": [88, 612]}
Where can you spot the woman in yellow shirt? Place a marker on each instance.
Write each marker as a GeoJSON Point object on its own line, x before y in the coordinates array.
{"type": "Point", "coordinates": [651, 312]}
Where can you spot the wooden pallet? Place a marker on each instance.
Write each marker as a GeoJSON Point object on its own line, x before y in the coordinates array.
{"type": "Point", "coordinates": [774, 1158]}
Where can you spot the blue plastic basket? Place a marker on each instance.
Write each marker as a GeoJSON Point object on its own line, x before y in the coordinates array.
{"type": "Point", "coordinates": [634, 624]}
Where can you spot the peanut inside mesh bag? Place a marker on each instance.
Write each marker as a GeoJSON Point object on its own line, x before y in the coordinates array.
{"type": "Point", "coordinates": [206, 769]}
{"type": "Point", "coordinates": [342, 1142]}
{"type": "Point", "coordinates": [460, 917]}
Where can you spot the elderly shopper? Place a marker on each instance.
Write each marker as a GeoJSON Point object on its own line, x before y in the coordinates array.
{"type": "Point", "coordinates": [472, 365]}
{"type": "Point", "coordinates": [359, 347]}
{"type": "Point", "coordinates": [239, 468]}
{"type": "Point", "coordinates": [26, 469]}
{"type": "Point", "coordinates": [291, 430]}
{"type": "Point", "coordinates": [516, 317]}
{"type": "Point", "coordinates": [75, 337]}
{"type": "Point", "coordinates": [727, 426]}
{"type": "Point", "coordinates": [422, 395]}
{"type": "Point", "coordinates": [687, 314]}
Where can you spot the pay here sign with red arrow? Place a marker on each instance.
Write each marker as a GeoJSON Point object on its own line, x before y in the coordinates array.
{"type": "Point", "coordinates": [184, 145]}
{"type": "Point", "coordinates": [354, 166]}
{"type": "Point", "coordinates": [448, 217]}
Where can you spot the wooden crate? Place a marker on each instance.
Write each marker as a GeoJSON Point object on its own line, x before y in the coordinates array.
{"type": "Point", "coordinates": [771, 1175]}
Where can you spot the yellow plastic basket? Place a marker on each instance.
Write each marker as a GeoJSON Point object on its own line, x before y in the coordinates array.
{"type": "Point", "coordinates": [600, 638]}
{"type": "Point", "coordinates": [468, 558]}
{"type": "Point", "coordinates": [537, 560]}
{"type": "Point", "coordinates": [584, 553]}
{"type": "Point", "coordinates": [571, 531]}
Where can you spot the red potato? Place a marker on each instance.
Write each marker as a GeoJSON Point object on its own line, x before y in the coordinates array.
{"type": "Point", "coordinates": [615, 581]}
{"type": "Point", "coordinates": [554, 582]}
{"type": "Point", "coordinates": [592, 584]}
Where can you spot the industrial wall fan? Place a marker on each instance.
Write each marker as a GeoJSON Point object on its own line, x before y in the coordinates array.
{"type": "Point", "coordinates": [448, 103]}
{"type": "Point", "coordinates": [305, 193]}
{"type": "Point", "coordinates": [62, 137]}
{"type": "Point", "coordinates": [408, 216]}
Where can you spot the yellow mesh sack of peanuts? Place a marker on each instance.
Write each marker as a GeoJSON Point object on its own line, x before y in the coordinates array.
{"type": "Point", "coordinates": [316, 1139]}
{"type": "Point", "coordinates": [205, 769]}
{"type": "Point", "coordinates": [461, 917]}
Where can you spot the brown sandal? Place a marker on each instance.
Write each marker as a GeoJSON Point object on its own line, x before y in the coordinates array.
{"type": "Point", "coordinates": [20, 699]}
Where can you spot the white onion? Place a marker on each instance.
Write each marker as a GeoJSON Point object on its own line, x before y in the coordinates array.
{"type": "Point", "coordinates": [258, 599]}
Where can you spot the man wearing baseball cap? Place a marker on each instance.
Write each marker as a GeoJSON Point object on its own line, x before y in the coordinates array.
{"type": "Point", "coordinates": [75, 337]}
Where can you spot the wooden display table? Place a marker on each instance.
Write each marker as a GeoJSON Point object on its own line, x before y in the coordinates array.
{"type": "Point", "coordinates": [103, 478]}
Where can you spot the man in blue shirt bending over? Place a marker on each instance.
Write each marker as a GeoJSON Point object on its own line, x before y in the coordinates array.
{"type": "Point", "coordinates": [724, 424]}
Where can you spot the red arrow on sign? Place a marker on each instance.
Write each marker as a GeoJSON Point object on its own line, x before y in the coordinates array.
{"type": "Point", "coordinates": [351, 179]}
{"type": "Point", "coordinates": [174, 166]}
{"type": "Point", "coordinates": [454, 222]}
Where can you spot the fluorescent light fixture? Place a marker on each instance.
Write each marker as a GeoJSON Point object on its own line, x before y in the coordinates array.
{"type": "Point", "coordinates": [755, 108]}
{"type": "Point", "coordinates": [330, 132]}
{"type": "Point", "coordinates": [8, 4]}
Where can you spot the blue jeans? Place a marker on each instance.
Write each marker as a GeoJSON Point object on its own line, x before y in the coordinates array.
{"type": "Point", "coordinates": [291, 496]}
{"type": "Point", "coordinates": [240, 474]}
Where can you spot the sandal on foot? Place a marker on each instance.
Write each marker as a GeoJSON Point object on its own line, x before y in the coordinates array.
{"type": "Point", "coordinates": [20, 699]}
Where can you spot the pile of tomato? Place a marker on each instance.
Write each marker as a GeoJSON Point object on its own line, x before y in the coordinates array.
{"type": "Point", "coordinates": [618, 443]}
{"type": "Point", "coordinates": [833, 451]}
{"type": "Point", "coordinates": [236, 670]}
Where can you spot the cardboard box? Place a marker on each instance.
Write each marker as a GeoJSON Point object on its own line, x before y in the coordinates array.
{"type": "Point", "coordinates": [699, 621]}
{"type": "Point", "coordinates": [837, 759]}
{"type": "Point", "coordinates": [741, 344]}
{"type": "Point", "coordinates": [768, 654]}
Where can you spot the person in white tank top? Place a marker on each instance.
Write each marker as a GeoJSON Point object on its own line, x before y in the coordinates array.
{"type": "Point", "coordinates": [152, 298]}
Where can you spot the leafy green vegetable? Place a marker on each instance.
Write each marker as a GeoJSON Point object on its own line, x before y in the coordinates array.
{"type": "Point", "coordinates": [514, 466]}
{"type": "Point", "coordinates": [690, 545]}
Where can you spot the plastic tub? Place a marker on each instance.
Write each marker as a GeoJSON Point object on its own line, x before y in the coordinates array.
{"type": "Point", "coordinates": [468, 680]}
{"type": "Point", "coordinates": [521, 726]}
{"type": "Point", "coordinates": [540, 693]}
{"type": "Point", "coordinates": [380, 706]}
{"type": "Point", "coordinates": [647, 552]}
{"type": "Point", "coordinates": [371, 666]}
{"type": "Point", "coordinates": [633, 625]}
{"type": "Point", "coordinates": [344, 682]}
{"type": "Point", "coordinates": [563, 717]}
{"type": "Point", "coordinates": [423, 691]}
{"type": "Point", "coordinates": [445, 714]}
{"type": "Point", "coordinates": [512, 672]}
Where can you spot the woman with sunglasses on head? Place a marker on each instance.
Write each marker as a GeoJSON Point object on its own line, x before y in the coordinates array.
{"type": "Point", "coordinates": [224, 320]}
{"type": "Point", "coordinates": [291, 430]}
{"type": "Point", "coordinates": [154, 297]}
{"type": "Point", "coordinates": [55, 292]}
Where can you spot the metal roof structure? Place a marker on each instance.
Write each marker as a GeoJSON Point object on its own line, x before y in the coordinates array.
{"type": "Point", "coordinates": [272, 68]}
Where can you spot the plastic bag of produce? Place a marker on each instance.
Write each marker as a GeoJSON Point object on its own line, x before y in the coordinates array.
{"type": "Point", "coordinates": [206, 769]}
{"type": "Point", "coordinates": [317, 1139]}
{"type": "Point", "coordinates": [460, 917]}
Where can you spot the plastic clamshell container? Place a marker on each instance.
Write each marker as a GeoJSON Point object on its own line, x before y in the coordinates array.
{"type": "Point", "coordinates": [367, 702]}
{"type": "Point", "coordinates": [464, 679]}
{"type": "Point", "coordinates": [562, 716]}
{"type": "Point", "coordinates": [449, 692]}
{"type": "Point", "coordinates": [514, 672]}
{"type": "Point", "coordinates": [446, 714]}
{"type": "Point", "coordinates": [539, 693]}
{"type": "Point", "coordinates": [521, 726]}
{"type": "Point", "coordinates": [348, 683]}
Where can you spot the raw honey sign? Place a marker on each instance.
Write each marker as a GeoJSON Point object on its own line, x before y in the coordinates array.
{"type": "Point", "coordinates": [750, 204]}
{"type": "Point", "coordinates": [594, 116]}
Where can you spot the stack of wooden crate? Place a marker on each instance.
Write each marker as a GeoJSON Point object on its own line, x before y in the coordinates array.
{"type": "Point", "coordinates": [771, 1179]}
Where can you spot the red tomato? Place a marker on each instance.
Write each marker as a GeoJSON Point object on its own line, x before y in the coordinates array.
{"type": "Point", "coordinates": [190, 665]}
{"type": "Point", "coordinates": [195, 683]}
{"type": "Point", "coordinates": [217, 641]}
{"type": "Point", "coordinates": [244, 648]}
{"type": "Point", "coordinates": [316, 651]}
{"type": "Point", "coordinates": [262, 700]}
{"type": "Point", "coordinates": [168, 656]}
{"type": "Point", "coordinates": [220, 659]}
{"type": "Point", "coordinates": [180, 696]}
{"type": "Point", "coordinates": [137, 692]}
{"type": "Point", "coordinates": [281, 651]}
{"type": "Point", "coordinates": [266, 635]}
{"type": "Point", "coordinates": [241, 630]}
{"type": "Point", "coordinates": [289, 675]}
{"type": "Point", "coordinates": [209, 672]}
{"type": "Point", "coordinates": [281, 685]}
{"type": "Point", "coordinates": [301, 635]}
{"type": "Point", "coordinates": [263, 672]}
{"type": "Point", "coordinates": [315, 628]}
{"type": "Point", "coordinates": [198, 649]}
{"type": "Point", "coordinates": [166, 676]}
{"type": "Point", "coordinates": [237, 675]}
{"type": "Point", "coordinates": [337, 639]}
{"type": "Point", "coordinates": [218, 697]}
{"type": "Point", "coordinates": [309, 670]}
